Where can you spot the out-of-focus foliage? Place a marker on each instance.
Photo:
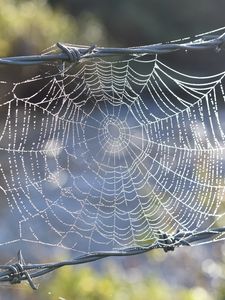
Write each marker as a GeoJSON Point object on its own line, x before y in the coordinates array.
{"type": "Point", "coordinates": [135, 22]}
{"type": "Point", "coordinates": [86, 284]}
{"type": "Point", "coordinates": [31, 26]}
{"type": "Point", "coordinates": [114, 283]}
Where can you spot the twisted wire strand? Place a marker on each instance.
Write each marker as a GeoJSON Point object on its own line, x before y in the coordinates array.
{"type": "Point", "coordinates": [75, 53]}
{"type": "Point", "coordinates": [20, 271]}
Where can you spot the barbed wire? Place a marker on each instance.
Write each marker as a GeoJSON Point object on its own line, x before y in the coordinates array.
{"type": "Point", "coordinates": [20, 271]}
{"type": "Point", "coordinates": [75, 53]}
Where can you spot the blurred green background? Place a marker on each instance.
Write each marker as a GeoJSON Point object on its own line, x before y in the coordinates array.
{"type": "Point", "coordinates": [28, 27]}
{"type": "Point", "coordinates": [31, 26]}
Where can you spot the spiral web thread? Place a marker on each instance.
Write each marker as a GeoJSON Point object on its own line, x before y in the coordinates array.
{"type": "Point", "coordinates": [110, 154]}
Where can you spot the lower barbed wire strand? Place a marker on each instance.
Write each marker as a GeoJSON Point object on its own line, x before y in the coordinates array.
{"type": "Point", "coordinates": [18, 272]}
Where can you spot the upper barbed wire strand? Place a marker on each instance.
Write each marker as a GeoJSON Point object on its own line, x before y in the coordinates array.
{"type": "Point", "coordinates": [74, 53]}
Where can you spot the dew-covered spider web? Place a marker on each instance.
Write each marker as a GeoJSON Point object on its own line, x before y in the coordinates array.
{"type": "Point", "coordinates": [106, 153]}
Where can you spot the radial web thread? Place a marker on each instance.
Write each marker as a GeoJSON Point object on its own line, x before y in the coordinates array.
{"type": "Point", "coordinates": [105, 154]}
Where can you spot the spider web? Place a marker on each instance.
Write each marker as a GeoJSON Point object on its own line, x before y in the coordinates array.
{"type": "Point", "coordinates": [106, 153]}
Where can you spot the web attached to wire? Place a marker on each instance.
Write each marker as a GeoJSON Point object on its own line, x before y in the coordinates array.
{"type": "Point", "coordinates": [105, 154]}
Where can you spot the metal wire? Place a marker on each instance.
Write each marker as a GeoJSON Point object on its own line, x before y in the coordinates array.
{"type": "Point", "coordinates": [20, 271]}
{"type": "Point", "coordinates": [75, 53]}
